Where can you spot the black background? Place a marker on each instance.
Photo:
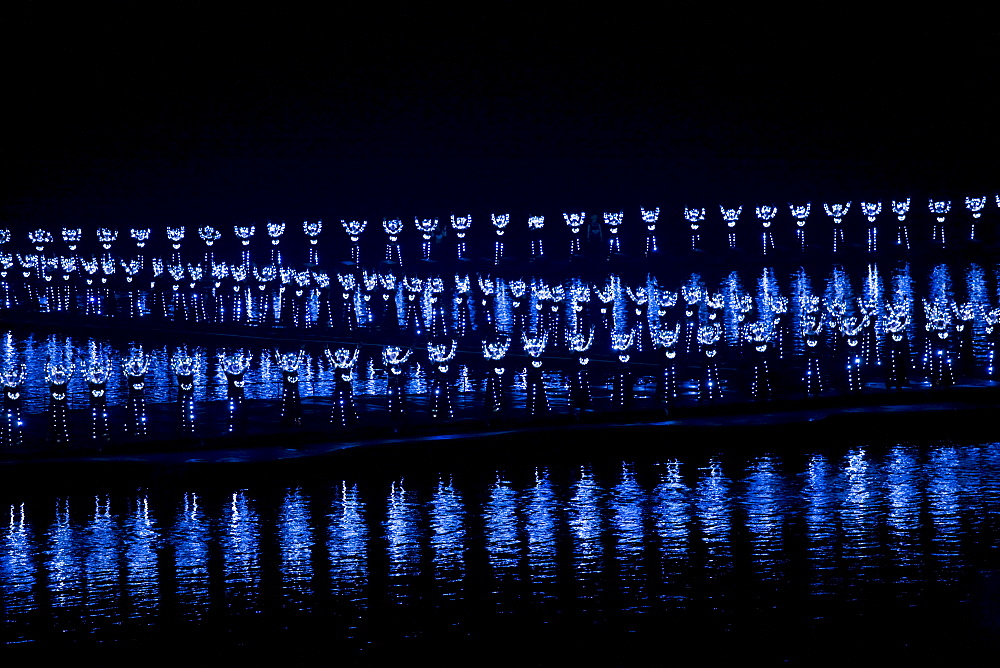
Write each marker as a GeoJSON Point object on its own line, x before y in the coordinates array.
{"type": "Point", "coordinates": [171, 113]}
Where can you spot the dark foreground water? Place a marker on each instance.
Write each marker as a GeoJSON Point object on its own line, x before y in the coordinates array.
{"type": "Point", "coordinates": [863, 554]}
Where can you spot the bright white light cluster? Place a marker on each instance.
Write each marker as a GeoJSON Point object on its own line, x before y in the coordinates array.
{"type": "Point", "coordinates": [461, 223]}
{"type": "Point", "coordinates": [4, 236]}
{"type": "Point", "coordinates": [800, 212]}
{"type": "Point", "coordinates": [72, 236]}
{"type": "Point", "coordinates": [140, 236]}
{"type": "Point", "coordinates": [767, 212]}
{"type": "Point", "coordinates": [650, 217]}
{"type": "Point", "coordinates": [244, 232]}
{"type": "Point", "coordinates": [837, 211]}
{"type": "Point", "coordinates": [40, 237]}
{"type": "Point", "coordinates": [694, 216]}
{"type": "Point", "coordinates": [731, 215]}
{"type": "Point", "coordinates": [175, 234]}
{"type": "Point", "coordinates": [575, 220]}
{"type": "Point", "coordinates": [871, 209]}
{"type": "Point", "coordinates": [500, 221]}
{"type": "Point", "coordinates": [106, 236]}
{"type": "Point", "coordinates": [939, 208]}
{"type": "Point", "coordinates": [275, 230]}
{"type": "Point", "coordinates": [975, 205]}
{"type": "Point", "coordinates": [536, 222]}
{"type": "Point", "coordinates": [209, 234]}
{"type": "Point", "coordinates": [901, 208]}
{"type": "Point", "coordinates": [426, 226]}
{"type": "Point", "coordinates": [354, 227]}
{"type": "Point", "coordinates": [392, 227]}
{"type": "Point", "coordinates": [312, 230]}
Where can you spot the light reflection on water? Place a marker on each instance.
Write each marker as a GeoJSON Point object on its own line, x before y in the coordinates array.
{"type": "Point", "coordinates": [865, 527]}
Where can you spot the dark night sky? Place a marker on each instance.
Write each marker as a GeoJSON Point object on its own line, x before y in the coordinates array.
{"type": "Point", "coordinates": [178, 115]}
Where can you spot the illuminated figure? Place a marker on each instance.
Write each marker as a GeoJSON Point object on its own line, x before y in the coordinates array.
{"type": "Point", "coordinates": [575, 222]}
{"type": "Point", "coordinates": [275, 230]}
{"type": "Point", "coordinates": [427, 227]}
{"type": "Point", "coordinates": [668, 387]}
{"type": "Point", "coordinates": [901, 208]}
{"type": "Point", "coordinates": [12, 376]}
{"type": "Point", "coordinates": [234, 366]}
{"type": "Point", "coordinates": [850, 329]}
{"type": "Point", "coordinates": [871, 210]}
{"type": "Point", "coordinates": [695, 218]}
{"type": "Point", "coordinates": [800, 212]}
{"type": "Point", "coordinates": [395, 359]}
{"type": "Point", "coordinates": [758, 335]}
{"type": "Point", "coordinates": [244, 233]}
{"type": "Point", "coordinates": [621, 383]}
{"type": "Point", "coordinates": [812, 329]}
{"type": "Point", "coordinates": [731, 216]}
{"type": "Point", "coordinates": [837, 212]}
{"type": "Point", "coordinates": [495, 396]}
{"type": "Point", "coordinates": [134, 368]}
{"type": "Point", "coordinates": [536, 403]}
{"type": "Point", "coordinates": [536, 226]}
{"type": "Point", "coordinates": [442, 399]}
{"type": "Point", "coordinates": [500, 222]}
{"type": "Point", "coordinates": [939, 209]}
{"type": "Point", "coordinates": [580, 394]}
{"type": "Point", "coordinates": [650, 218]}
{"type": "Point", "coordinates": [58, 375]}
{"type": "Point", "coordinates": [710, 389]}
{"type": "Point", "coordinates": [312, 231]}
{"type": "Point", "coordinates": [766, 215]}
{"type": "Point", "coordinates": [614, 221]}
{"type": "Point", "coordinates": [97, 373]}
{"type": "Point", "coordinates": [291, 401]}
{"type": "Point", "coordinates": [461, 225]}
{"type": "Point", "coordinates": [344, 413]}
{"type": "Point", "coordinates": [393, 254]}
{"type": "Point", "coordinates": [185, 366]}
{"type": "Point", "coordinates": [938, 360]}
{"type": "Point", "coordinates": [897, 319]}
{"type": "Point", "coordinates": [975, 206]}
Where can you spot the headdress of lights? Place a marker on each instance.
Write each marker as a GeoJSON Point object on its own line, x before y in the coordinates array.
{"type": "Point", "coordinates": [975, 205]}
{"type": "Point", "coordinates": [939, 208]}
{"type": "Point", "coordinates": [536, 222]}
{"type": "Point", "coordinates": [209, 234]}
{"type": "Point", "coordinates": [901, 208]}
{"type": "Point", "coordinates": [694, 216]}
{"type": "Point", "coordinates": [575, 220]}
{"type": "Point", "coordinates": [500, 221]}
{"type": "Point", "coordinates": [312, 230]}
{"type": "Point", "coordinates": [871, 210]}
{"type": "Point", "coordinates": [107, 237]}
{"type": "Point", "coordinates": [244, 232]}
{"type": "Point", "coordinates": [392, 227]}
{"type": "Point", "coordinates": [72, 236]}
{"type": "Point", "coordinates": [731, 215]}
{"type": "Point", "coordinates": [800, 212]}
{"type": "Point", "coordinates": [175, 234]}
{"type": "Point", "coordinates": [40, 238]}
{"type": "Point", "coordinates": [140, 236]}
{"type": "Point", "coordinates": [275, 230]}
{"type": "Point", "coordinates": [837, 211]}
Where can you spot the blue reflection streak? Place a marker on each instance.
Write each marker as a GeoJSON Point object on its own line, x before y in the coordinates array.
{"type": "Point", "coordinates": [765, 512]}
{"type": "Point", "coordinates": [17, 566]}
{"type": "Point", "coordinates": [142, 541]}
{"type": "Point", "coordinates": [540, 511]}
{"type": "Point", "coordinates": [347, 544]}
{"type": "Point", "coordinates": [447, 517]}
{"type": "Point", "coordinates": [189, 538]}
{"type": "Point", "coordinates": [62, 561]}
{"type": "Point", "coordinates": [403, 537]}
{"type": "Point", "coordinates": [240, 543]}
{"type": "Point", "coordinates": [295, 541]}
{"type": "Point", "coordinates": [502, 542]}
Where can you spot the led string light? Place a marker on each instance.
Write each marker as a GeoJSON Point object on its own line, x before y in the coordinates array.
{"type": "Point", "coordinates": [535, 225]}
{"type": "Point", "coordinates": [800, 212]}
{"type": "Point", "coordinates": [766, 214]}
{"type": "Point", "coordinates": [650, 217]}
{"type": "Point", "coordinates": [939, 209]}
{"type": "Point", "coordinates": [695, 217]}
{"type": "Point", "coordinates": [731, 216]}
{"type": "Point", "coordinates": [575, 221]}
